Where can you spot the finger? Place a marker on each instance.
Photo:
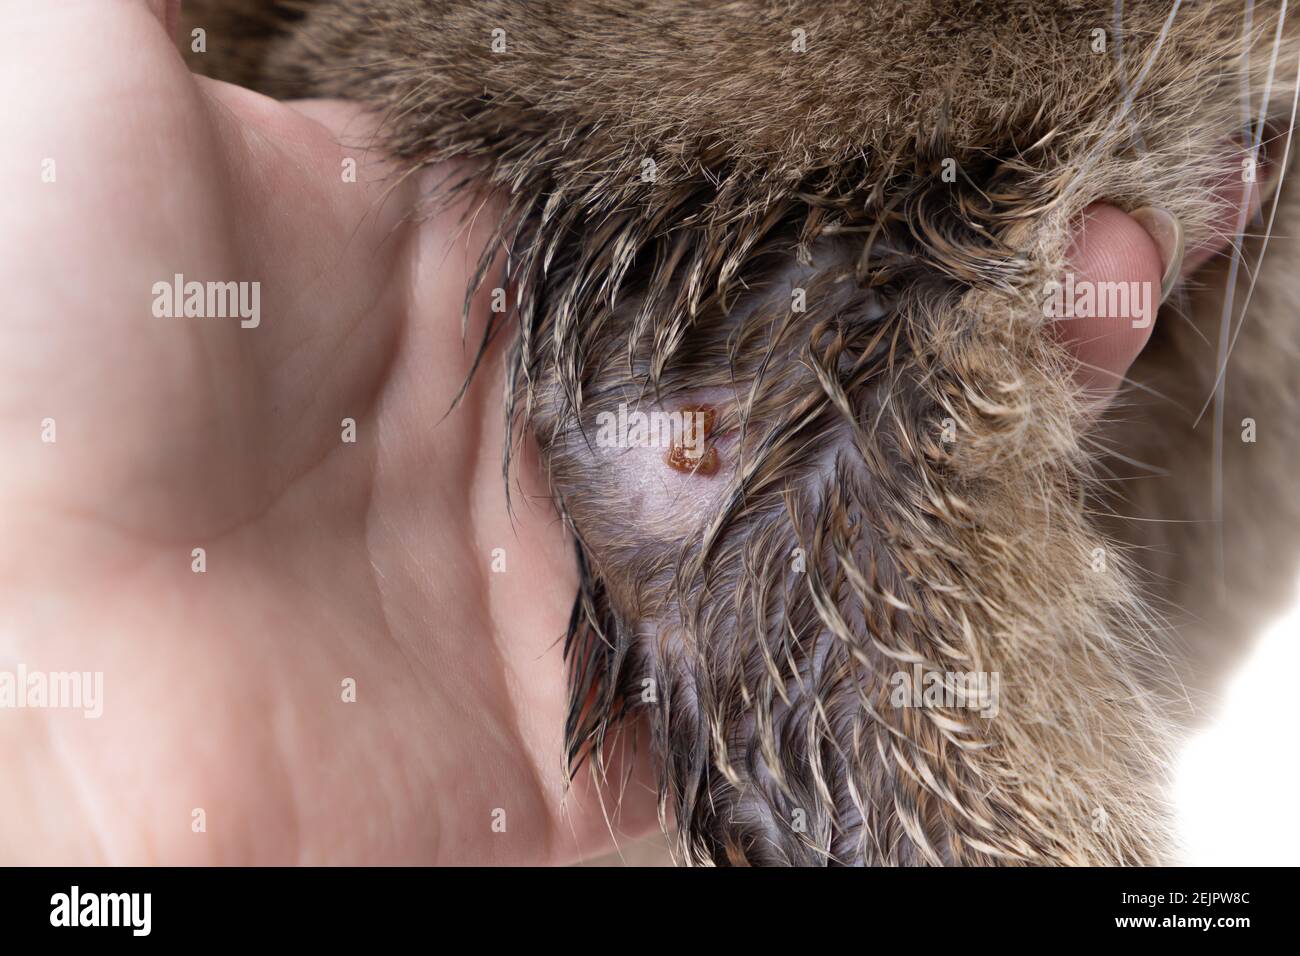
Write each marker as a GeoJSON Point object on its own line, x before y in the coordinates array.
{"type": "Point", "coordinates": [1141, 256]}
{"type": "Point", "coordinates": [168, 13]}
{"type": "Point", "coordinates": [1110, 295]}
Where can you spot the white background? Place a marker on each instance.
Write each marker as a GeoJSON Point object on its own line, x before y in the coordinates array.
{"type": "Point", "coordinates": [1237, 781]}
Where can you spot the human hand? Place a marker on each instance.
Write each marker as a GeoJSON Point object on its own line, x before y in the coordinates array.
{"type": "Point", "coordinates": [324, 560]}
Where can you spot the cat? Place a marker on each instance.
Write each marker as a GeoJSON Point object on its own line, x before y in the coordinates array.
{"type": "Point", "coordinates": [825, 227]}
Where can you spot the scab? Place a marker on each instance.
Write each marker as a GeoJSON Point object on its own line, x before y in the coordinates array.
{"type": "Point", "coordinates": [702, 463]}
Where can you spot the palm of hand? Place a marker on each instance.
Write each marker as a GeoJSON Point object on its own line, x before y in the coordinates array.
{"type": "Point", "coordinates": [327, 564]}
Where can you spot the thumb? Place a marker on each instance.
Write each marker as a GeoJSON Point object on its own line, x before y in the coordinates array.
{"type": "Point", "coordinates": [168, 13]}
{"type": "Point", "coordinates": [1112, 290]}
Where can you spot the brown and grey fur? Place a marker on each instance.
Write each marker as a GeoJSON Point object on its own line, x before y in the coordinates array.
{"type": "Point", "coordinates": [821, 169]}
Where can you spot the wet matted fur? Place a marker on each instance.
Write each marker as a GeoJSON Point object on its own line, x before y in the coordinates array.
{"type": "Point", "coordinates": [910, 477]}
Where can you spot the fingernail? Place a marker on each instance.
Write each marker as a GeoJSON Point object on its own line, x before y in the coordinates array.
{"type": "Point", "coordinates": [1167, 233]}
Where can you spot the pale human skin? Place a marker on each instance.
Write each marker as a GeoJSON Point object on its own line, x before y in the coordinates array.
{"type": "Point", "coordinates": [325, 560]}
